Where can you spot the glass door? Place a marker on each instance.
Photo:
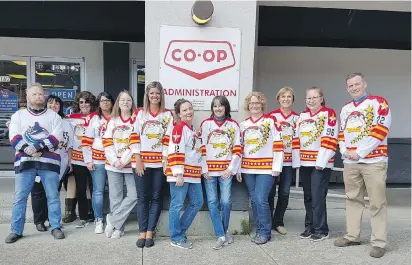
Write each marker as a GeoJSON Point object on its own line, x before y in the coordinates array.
{"type": "Point", "coordinates": [14, 78]}
{"type": "Point", "coordinates": [138, 81]}
{"type": "Point", "coordinates": [63, 77]}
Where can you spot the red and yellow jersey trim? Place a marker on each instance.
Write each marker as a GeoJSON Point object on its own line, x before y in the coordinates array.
{"type": "Point", "coordinates": [379, 132]}
{"type": "Point", "coordinates": [257, 163]}
{"type": "Point", "coordinates": [311, 156]}
{"type": "Point", "coordinates": [77, 155]}
{"type": "Point", "coordinates": [98, 155]}
{"type": "Point", "coordinates": [381, 150]}
{"type": "Point", "coordinates": [328, 143]}
{"type": "Point", "coordinates": [217, 165]}
{"type": "Point", "coordinates": [189, 171]}
{"type": "Point", "coordinates": [151, 157]}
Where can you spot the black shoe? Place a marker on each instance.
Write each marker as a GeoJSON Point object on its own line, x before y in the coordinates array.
{"type": "Point", "coordinates": [13, 237]}
{"type": "Point", "coordinates": [57, 233]}
{"type": "Point", "coordinates": [140, 243]}
{"type": "Point", "coordinates": [149, 242]}
{"type": "Point", "coordinates": [41, 227]}
{"type": "Point", "coordinates": [306, 234]}
{"type": "Point", "coordinates": [319, 237]}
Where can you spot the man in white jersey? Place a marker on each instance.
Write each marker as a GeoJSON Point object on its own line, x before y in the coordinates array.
{"type": "Point", "coordinates": [35, 134]}
{"type": "Point", "coordinates": [363, 143]}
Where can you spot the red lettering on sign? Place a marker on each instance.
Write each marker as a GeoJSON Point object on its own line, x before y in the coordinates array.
{"type": "Point", "coordinates": [199, 92]}
{"type": "Point", "coordinates": [200, 59]}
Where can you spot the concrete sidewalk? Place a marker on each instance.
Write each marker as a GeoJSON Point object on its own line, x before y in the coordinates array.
{"type": "Point", "coordinates": [82, 246]}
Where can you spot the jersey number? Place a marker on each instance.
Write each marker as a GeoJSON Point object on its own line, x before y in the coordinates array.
{"type": "Point", "coordinates": [380, 120]}
{"type": "Point", "coordinates": [330, 132]}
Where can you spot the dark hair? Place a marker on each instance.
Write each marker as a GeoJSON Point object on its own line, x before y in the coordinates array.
{"type": "Point", "coordinates": [52, 98]}
{"type": "Point", "coordinates": [177, 106]}
{"type": "Point", "coordinates": [99, 97]}
{"type": "Point", "coordinates": [224, 102]}
{"type": "Point", "coordinates": [88, 97]}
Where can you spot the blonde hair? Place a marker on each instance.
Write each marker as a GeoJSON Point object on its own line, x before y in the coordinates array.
{"type": "Point", "coordinates": [283, 90]}
{"type": "Point", "coordinates": [320, 91]}
{"type": "Point", "coordinates": [116, 109]}
{"type": "Point", "coordinates": [261, 98]}
{"type": "Point", "coordinates": [146, 101]}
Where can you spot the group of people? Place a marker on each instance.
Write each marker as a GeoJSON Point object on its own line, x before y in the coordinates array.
{"type": "Point", "coordinates": [137, 148]}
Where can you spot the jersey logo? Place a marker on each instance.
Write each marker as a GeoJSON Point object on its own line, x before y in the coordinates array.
{"type": "Point", "coordinates": [359, 122]}
{"type": "Point", "coordinates": [257, 135]}
{"type": "Point", "coordinates": [223, 139]}
{"type": "Point", "coordinates": [312, 129]}
{"type": "Point", "coordinates": [35, 134]}
{"type": "Point", "coordinates": [287, 132]}
{"type": "Point", "coordinates": [176, 138]}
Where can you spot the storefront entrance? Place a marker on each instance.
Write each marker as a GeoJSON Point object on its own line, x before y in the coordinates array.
{"type": "Point", "coordinates": [63, 77]}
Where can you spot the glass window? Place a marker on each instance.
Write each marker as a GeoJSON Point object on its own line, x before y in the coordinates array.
{"type": "Point", "coordinates": [138, 81]}
{"type": "Point", "coordinates": [13, 84]}
{"type": "Point", "coordinates": [62, 79]}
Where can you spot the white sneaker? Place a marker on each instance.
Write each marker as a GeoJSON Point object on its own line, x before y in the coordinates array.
{"type": "Point", "coordinates": [109, 228]}
{"type": "Point", "coordinates": [99, 227]}
{"type": "Point", "coordinates": [229, 238]}
{"type": "Point", "coordinates": [117, 234]}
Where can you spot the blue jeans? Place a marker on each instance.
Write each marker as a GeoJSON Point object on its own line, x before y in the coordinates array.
{"type": "Point", "coordinates": [99, 181]}
{"type": "Point", "coordinates": [149, 198]}
{"type": "Point", "coordinates": [23, 183]}
{"type": "Point", "coordinates": [285, 183]}
{"type": "Point", "coordinates": [179, 225]}
{"type": "Point", "coordinates": [220, 222]}
{"type": "Point", "coordinates": [259, 186]}
{"type": "Point", "coordinates": [315, 188]}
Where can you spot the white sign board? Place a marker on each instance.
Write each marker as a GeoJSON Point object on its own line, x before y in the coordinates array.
{"type": "Point", "coordinates": [199, 63]}
{"type": "Point", "coordinates": [5, 79]}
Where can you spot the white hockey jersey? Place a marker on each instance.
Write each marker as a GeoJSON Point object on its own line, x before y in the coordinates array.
{"type": "Point", "coordinates": [364, 128]}
{"type": "Point", "coordinates": [44, 131]}
{"type": "Point", "coordinates": [79, 122]}
{"type": "Point", "coordinates": [65, 145]}
{"type": "Point", "coordinates": [317, 134]}
{"type": "Point", "coordinates": [116, 142]}
{"type": "Point", "coordinates": [222, 141]}
{"type": "Point", "coordinates": [92, 145]}
{"type": "Point", "coordinates": [186, 154]}
{"type": "Point", "coordinates": [288, 135]}
{"type": "Point", "coordinates": [262, 147]}
{"type": "Point", "coordinates": [151, 136]}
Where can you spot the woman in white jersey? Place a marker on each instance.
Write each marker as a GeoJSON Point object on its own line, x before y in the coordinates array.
{"type": "Point", "coordinates": [93, 153]}
{"type": "Point", "coordinates": [286, 118]}
{"type": "Point", "coordinates": [38, 195]}
{"type": "Point", "coordinates": [153, 128]}
{"type": "Point", "coordinates": [186, 164]}
{"type": "Point", "coordinates": [317, 130]}
{"type": "Point", "coordinates": [84, 105]}
{"type": "Point", "coordinates": [221, 136]}
{"type": "Point", "coordinates": [262, 160]}
{"type": "Point", "coordinates": [119, 158]}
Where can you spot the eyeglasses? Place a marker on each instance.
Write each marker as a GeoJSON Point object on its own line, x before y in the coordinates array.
{"type": "Point", "coordinates": [105, 100]}
{"type": "Point", "coordinates": [313, 98]}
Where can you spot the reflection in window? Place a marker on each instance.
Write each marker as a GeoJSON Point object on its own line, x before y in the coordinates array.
{"type": "Point", "coordinates": [61, 79]}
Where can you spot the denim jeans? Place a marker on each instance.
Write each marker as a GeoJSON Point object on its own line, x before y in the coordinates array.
{"type": "Point", "coordinates": [39, 202]}
{"type": "Point", "coordinates": [178, 225]}
{"type": "Point", "coordinates": [99, 181]}
{"type": "Point", "coordinates": [315, 188]}
{"type": "Point", "coordinates": [23, 183]}
{"type": "Point", "coordinates": [220, 222]}
{"type": "Point", "coordinates": [285, 183]}
{"type": "Point", "coordinates": [259, 186]}
{"type": "Point", "coordinates": [149, 198]}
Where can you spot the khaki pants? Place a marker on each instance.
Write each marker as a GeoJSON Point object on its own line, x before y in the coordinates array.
{"type": "Point", "coordinates": [371, 178]}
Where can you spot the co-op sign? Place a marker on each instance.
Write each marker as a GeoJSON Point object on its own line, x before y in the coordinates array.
{"type": "Point", "coordinates": [199, 63]}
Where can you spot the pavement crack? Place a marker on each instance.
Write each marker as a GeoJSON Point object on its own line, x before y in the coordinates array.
{"type": "Point", "coordinates": [268, 255]}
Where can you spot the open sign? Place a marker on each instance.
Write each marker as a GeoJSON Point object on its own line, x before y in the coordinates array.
{"type": "Point", "coordinates": [199, 59]}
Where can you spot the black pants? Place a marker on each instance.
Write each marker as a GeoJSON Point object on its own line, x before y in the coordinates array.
{"type": "Point", "coordinates": [285, 183]}
{"type": "Point", "coordinates": [149, 198]}
{"type": "Point", "coordinates": [315, 188]}
{"type": "Point", "coordinates": [82, 176]}
{"type": "Point", "coordinates": [39, 203]}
